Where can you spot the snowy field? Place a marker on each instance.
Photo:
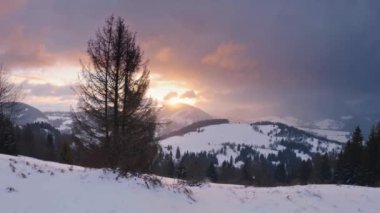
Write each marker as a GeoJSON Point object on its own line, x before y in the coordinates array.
{"type": "Point", "coordinates": [30, 185]}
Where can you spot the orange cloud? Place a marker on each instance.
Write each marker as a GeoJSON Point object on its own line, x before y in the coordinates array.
{"type": "Point", "coordinates": [18, 50]}
{"type": "Point", "coordinates": [229, 56]}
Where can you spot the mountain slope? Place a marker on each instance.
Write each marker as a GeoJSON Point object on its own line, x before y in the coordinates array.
{"type": "Point", "coordinates": [226, 140]}
{"type": "Point", "coordinates": [174, 118]}
{"type": "Point", "coordinates": [23, 114]}
{"type": "Point", "coordinates": [29, 185]}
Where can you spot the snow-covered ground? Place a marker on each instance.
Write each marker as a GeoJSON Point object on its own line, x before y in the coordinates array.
{"type": "Point", "coordinates": [30, 185]}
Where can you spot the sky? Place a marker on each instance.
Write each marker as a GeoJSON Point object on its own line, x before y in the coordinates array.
{"type": "Point", "coordinates": [239, 59]}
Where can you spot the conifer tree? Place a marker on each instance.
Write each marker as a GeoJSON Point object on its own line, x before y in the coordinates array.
{"type": "Point", "coordinates": [350, 165]}
{"type": "Point", "coordinates": [7, 137]}
{"type": "Point", "coordinates": [113, 111]}
{"type": "Point", "coordinates": [178, 153]}
{"type": "Point", "coordinates": [305, 171]}
{"type": "Point", "coordinates": [325, 169]}
{"type": "Point", "coordinates": [212, 173]}
{"type": "Point", "coordinates": [280, 173]}
{"type": "Point", "coordinates": [371, 159]}
{"type": "Point", "coordinates": [66, 154]}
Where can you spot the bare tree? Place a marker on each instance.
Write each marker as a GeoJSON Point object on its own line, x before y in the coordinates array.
{"type": "Point", "coordinates": [113, 112]}
{"type": "Point", "coordinates": [9, 94]}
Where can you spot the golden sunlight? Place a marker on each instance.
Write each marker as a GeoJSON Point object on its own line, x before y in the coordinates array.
{"type": "Point", "coordinates": [160, 89]}
{"type": "Point", "coordinates": [175, 101]}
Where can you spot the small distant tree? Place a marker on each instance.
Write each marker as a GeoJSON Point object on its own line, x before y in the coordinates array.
{"type": "Point", "coordinates": [325, 170]}
{"type": "Point", "coordinates": [8, 96]}
{"type": "Point", "coordinates": [66, 154]}
{"type": "Point", "coordinates": [7, 137]}
{"type": "Point", "coordinates": [178, 154]}
{"type": "Point", "coordinates": [212, 173]}
{"type": "Point", "coordinates": [50, 150]}
{"type": "Point", "coordinates": [280, 173]}
{"type": "Point", "coordinates": [305, 171]}
{"type": "Point", "coordinates": [350, 163]}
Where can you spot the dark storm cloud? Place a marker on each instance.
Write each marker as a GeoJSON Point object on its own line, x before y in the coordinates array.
{"type": "Point", "coordinates": [300, 58]}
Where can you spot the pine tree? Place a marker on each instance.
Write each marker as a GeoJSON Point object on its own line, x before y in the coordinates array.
{"type": "Point", "coordinates": [280, 173]}
{"type": "Point", "coordinates": [377, 166]}
{"type": "Point", "coordinates": [305, 171]}
{"type": "Point", "coordinates": [115, 115]}
{"type": "Point", "coordinates": [231, 162]}
{"type": "Point", "coordinates": [371, 159]}
{"type": "Point", "coordinates": [7, 137]}
{"type": "Point", "coordinates": [350, 164]}
{"type": "Point", "coordinates": [177, 154]}
{"type": "Point", "coordinates": [325, 170]}
{"type": "Point", "coordinates": [50, 155]}
{"type": "Point", "coordinates": [212, 173]}
{"type": "Point", "coordinates": [66, 155]}
{"type": "Point", "coordinates": [247, 175]}
{"type": "Point", "coordinates": [170, 167]}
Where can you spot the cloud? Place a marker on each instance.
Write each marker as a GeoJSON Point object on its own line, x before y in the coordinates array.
{"type": "Point", "coordinates": [48, 89]}
{"type": "Point", "coordinates": [21, 51]}
{"type": "Point", "coordinates": [9, 6]}
{"type": "Point", "coordinates": [189, 94]}
{"type": "Point", "coordinates": [229, 56]}
{"type": "Point", "coordinates": [170, 95]}
{"type": "Point", "coordinates": [48, 96]}
{"type": "Point", "coordinates": [164, 54]}
{"type": "Point", "coordinates": [285, 56]}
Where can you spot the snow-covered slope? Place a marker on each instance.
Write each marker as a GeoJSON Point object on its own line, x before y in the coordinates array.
{"type": "Point", "coordinates": [264, 137]}
{"type": "Point", "coordinates": [60, 120]}
{"type": "Point", "coordinates": [336, 135]}
{"type": "Point", "coordinates": [29, 185]}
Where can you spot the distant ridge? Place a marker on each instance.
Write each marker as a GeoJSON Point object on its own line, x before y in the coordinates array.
{"type": "Point", "coordinates": [22, 114]}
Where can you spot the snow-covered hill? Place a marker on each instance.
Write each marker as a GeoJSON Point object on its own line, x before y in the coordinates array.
{"type": "Point", "coordinates": [226, 140]}
{"type": "Point", "coordinates": [29, 185]}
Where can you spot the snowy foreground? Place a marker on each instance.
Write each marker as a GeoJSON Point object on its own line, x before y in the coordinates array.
{"type": "Point", "coordinates": [30, 185]}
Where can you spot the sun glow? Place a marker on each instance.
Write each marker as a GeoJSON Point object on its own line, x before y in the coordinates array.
{"type": "Point", "coordinates": [175, 101]}
{"type": "Point", "coordinates": [160, 89]}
